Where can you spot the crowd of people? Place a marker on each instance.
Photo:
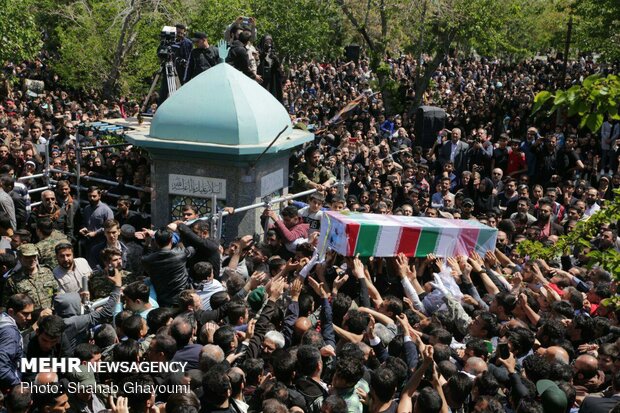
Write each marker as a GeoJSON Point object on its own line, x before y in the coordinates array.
{"type": "Point", "coordinates": [262, 322]}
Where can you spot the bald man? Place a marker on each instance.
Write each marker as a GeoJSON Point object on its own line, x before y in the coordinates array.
{"type": "Point", "coordinates": [475, 366]}
{"type": "Point", "coordinates": [237, 383]}
{"type": "Point", "coordinates": [456, 151]}
{"type": "Point", "coordinates": [46, 378]}
{"type": "Point", "coordinates": [587, 378]}
{"type": "Point", "coordinates": [302, 324]}
{"type": "Point", "coordinates": [558, 354]}
{"type": "Point", "coordinates": [210, 355]}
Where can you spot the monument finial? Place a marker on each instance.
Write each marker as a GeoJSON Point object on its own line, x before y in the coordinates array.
{"type": "Point", "coordinates": [222, 48]}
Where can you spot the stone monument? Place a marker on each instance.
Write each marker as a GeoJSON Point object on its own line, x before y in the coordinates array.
{"type": "Point", "coordinates": [205, 141]}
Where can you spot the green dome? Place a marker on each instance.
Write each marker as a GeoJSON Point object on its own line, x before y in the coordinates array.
{"type": "Point", "coordinates": [220, 106]}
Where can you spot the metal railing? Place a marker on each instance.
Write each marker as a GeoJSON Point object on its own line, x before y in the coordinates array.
{"type": "Point", "coordinates": [216, 218]}
{"type": "Point", "coordinates": [51, 183]}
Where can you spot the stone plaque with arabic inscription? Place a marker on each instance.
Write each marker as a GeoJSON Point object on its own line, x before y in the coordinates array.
{"type": "Point", "coordinates": [196, 186]}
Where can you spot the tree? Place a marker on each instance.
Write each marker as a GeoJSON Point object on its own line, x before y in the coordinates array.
{"type": "Point", "coordinates": [21, 39]}
{"type": "Point", "coordinates": [436, 27]}
{"type": "Point", "coordinates": [597, 97]}
{"type": "Point", "coordinates": [300, 29]}
{"type": "Point", "coordinates": [596, 27]}
{"type": "Point", "coordinates": [579, 239]}
{"type": "Point", "coordinates": [110, 45]}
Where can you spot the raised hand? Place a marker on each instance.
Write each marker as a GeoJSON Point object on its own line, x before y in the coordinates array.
{"type": "Point", "coordinates": [339, 281]}
{"type": "Point", "coordinates": [428, 355]}
{"type": "Point", "coordinates": [275, 288]}
{"type": "Point", "coordinates": [250, 330]}
{"type": "Point", "coordinates": [296, 287]}
{"type": "Point", "coordinates": [438, 284]}
{"type": "Point", "coordinates": [257, 279]}
{"type": "Point", "coordinates": [402, 265]}
{"type": "Point", "coordinates": [358, 267]}
{"type": "Point", "coordinates": [370, 329]}
{"type": "Point", "coordinates": [454, 264]}
{"type": "Point", "coordinates": [490, 259]}
{"type": "Point", "coordinates": [317, 287]}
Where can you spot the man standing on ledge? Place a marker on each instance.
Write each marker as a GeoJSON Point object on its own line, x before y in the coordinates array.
{"type": "Point", "coordinates": [238, 56]}
{"type": "Point", "coordinates": [203, 57]}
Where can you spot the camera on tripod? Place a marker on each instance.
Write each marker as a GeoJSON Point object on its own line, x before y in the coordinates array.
{"type": "Point", "coordinates": [167, 37]}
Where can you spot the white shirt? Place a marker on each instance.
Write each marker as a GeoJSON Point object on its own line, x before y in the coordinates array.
{"type": "Point", "coordinates": [206, 289]}
{"type": "Point", "coordinates": [70, 281]}
{"type": "Point", "coordinates": [591, 210]}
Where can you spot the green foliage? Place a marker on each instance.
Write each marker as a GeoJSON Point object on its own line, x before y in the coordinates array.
{"type": "Point", "coordinates": [608, 259]}
{"type": "Point", "coordinates": [88, 45]}
{"type": "Point", "coordinates": [595, 98]}
{"type": "Point", "coordinates": [300, 29]}
{"type": "Point", "coordinates": [21, 38]}
{"type": "Point", "coordinates": [596, 27]}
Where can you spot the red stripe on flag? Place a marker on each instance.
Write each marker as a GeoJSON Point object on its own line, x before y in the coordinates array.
{"type": "Point", "coordinates": [468, 238]}
{"type": "Point", "coordinates": [353, 231]}
{"type": "Point", "coordinates": [408, 242]}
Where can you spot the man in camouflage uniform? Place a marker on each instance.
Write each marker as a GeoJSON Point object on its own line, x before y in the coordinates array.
{"type": "Point", "coordinates": [49, 238]}
{"type": "Point", "coordinates": [311, 174]}
{"type": "Point", "coordinates": [31, 278]}
{"type": "Point", "coordinates": [99, 284]}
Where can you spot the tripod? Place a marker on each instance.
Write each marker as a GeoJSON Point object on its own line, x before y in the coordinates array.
{"type": "Point", "coordinates": [171, 84]}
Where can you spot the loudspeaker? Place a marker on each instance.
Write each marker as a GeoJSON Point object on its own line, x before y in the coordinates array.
{"type": "Point", "coordinates": [352, 52]}
{"type": "Point", "coordinates": [429, 120]}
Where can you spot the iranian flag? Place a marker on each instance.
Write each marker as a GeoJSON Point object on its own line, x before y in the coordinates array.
{"type": "Point", "coordinates": [350, 233]}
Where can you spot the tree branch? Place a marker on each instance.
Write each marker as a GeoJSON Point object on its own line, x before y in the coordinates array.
{"type": "Point", "coordinates": [361, 29]}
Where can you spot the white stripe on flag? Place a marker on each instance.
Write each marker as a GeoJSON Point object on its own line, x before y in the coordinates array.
{"type": "Point", "coordinates": [388, 240]}
{"type": "Point", "coordinates": [447, 241]}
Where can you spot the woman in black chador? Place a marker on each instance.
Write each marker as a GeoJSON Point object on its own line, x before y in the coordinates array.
{"type": "Point", "coordinates": [269, 67]}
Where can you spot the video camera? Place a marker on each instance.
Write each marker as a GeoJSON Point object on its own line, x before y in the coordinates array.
{"type": "Point", "coordinates": [167, 37]}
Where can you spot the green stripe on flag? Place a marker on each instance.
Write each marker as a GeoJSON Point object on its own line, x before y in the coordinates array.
{"type": "Point", "coordinates": [427, 243]}
{"type": "Point", "coordinates": [483, 238]}
{"type": "Point", "coordinates": [367, 240]}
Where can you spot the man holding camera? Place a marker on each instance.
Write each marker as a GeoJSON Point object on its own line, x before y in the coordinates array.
{"type": "Point", "coordinates": [203, 57]}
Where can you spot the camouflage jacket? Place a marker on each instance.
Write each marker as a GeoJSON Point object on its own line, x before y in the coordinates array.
{"type": "Point", "coordinates": [47, 255]}
{"type": "Point", "coordinates": [41, 287]}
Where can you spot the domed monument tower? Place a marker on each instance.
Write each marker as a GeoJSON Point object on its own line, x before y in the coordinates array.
{"type": "Point", "coordinates": [206, 139]}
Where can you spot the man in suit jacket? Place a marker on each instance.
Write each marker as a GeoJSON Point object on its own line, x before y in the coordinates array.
{"type": "Point", "coordinates": [594, 404]}
{"type": "Point", "coordinates": [456, 151]}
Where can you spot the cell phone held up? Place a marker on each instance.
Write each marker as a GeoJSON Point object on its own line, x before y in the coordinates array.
{"type": "Point", "coordinates": [503, 351]}
{"type": "Point", "coordinates": [110, 271]}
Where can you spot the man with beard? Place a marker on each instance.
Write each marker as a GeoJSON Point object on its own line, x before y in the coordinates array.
{"type": "Point", "coordinates": [94, 215]}
{"type": "Point", "coordinates": [311, 175]}
{"type": "Point", "coordinates": [608, 239]}
{"type": "Point", "coordinates": [523, 207]}
{"type": "Point", "coordinates": [68, 204]}
{"type": "Point", "coordinates": [49, 208]}
{"type": "Point", "coordinates": [70, 270]}
{"type": "Point", "coordinates": [509, 197]}
{"type": "Point", "coordinates": [544, 222]}
{"type": "Point", "coordinates": [591, 201]}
